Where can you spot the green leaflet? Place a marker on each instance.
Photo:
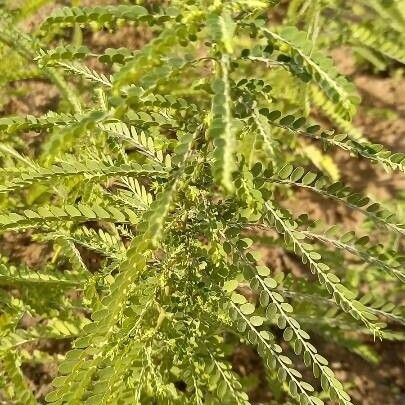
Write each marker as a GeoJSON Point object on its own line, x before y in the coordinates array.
{"type": "Point", "coordinates": [321, 68]}
{"type": "Point", "coordinates": [17, 124]}
{"type": "Point", "coordinates": [341, 193]}
{"type": "Point", "coordinates": [222, 29]}
{"type": "Point", "coordinates": [32, 218]}
{"type": "Point", "coordinates": [90, 169]}
{"type": "Point", "coordinates": [22, 393]}
{"type": "Point", "coordinates": [276, 306]}
{"type": "Point", "coordinates": [19, 275]}
{"type": "Point", "coordinates": [84, 71]}
{"type": "Point", "coordinates": [131, 268]}
{"type": "Point", "coordinates": [366, 37]}
{"type": "Point", "coordinates": [341, 295]}
{"type": "Point", "coordinates": [272, 355]}
{"type": "Point", "coordinates": [221, 130]}
{"type": "Point", "coordinates": [145, 203]}
{"type": "Point", "coordinates": [227, 383]}
{"type": "Point", "coordinates": [151, 55]}
{"type": "Point", "coordinates": [359, 248]}
{"type": "Point", "coordinates": [374, 152]}
{"type": "Point", "coordinates": [332, 111]}
{"type": "Point", "coordinates": [103, 16]}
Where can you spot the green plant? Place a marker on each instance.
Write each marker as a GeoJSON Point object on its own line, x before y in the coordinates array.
{"type": "Point", "coordinates": [372, 31]}
{"type": "Point", "coordinates": [169, 163]}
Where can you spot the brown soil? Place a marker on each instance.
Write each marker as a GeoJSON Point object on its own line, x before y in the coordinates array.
{"type": "Point", "coordinates": [21, 249]}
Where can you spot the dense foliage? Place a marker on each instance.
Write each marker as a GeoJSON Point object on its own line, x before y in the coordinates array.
{"type": "Point", "coordinates": [172, 165]}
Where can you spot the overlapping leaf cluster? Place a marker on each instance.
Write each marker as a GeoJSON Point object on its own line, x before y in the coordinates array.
{"type": "Point", "coordinates": [169, 165]}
